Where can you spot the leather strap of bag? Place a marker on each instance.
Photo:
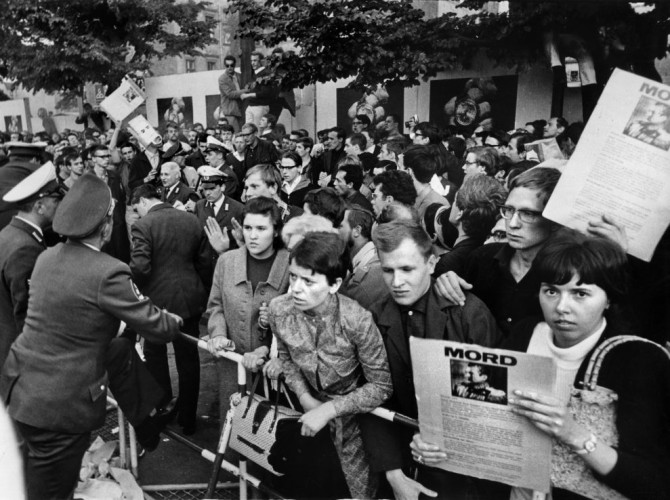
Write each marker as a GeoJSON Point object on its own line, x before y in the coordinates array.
{"type": "Point", "coordinates": [595, 362]}
{"type": "Point", "coordinates": [250, 397]}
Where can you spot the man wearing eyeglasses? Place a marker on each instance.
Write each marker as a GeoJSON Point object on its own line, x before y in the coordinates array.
{"type": "Point", "coordinates": [231, 93]}
{"type": "Point", "coordinates": [501, 274]}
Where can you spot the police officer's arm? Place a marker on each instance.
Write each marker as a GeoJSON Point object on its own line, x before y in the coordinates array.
{"type": "Point", "coordinates": [17, 274]}
{"type": "Point", "coordinates": [140, 254]}
{"type": "Point", "coordinates": [120, 297]}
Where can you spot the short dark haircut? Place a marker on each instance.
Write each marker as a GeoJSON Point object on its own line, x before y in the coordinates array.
{"type": "Point", "coordinates": [394, 117]}
{"type": "Point", "coordinates": [307, 142]}
{"type": "Point", "coordinates": [300, 133]}
{"type": "Point", "coordinates": [353, 174]}
{"type": "Point", "coordinates": [479, 198]}
{"type": "Point", "coordinates": [597, 261]}
{"type": "Point", "coordinates": [360, 217]}
{"type": "Point", "coordinates": [542, 179]}
{"type": "Point", "coordinates": [227, 127]}
{"type": "Point", "coordinates": [389, 236]}
{"type": "Point", "coordinates": [97, 147]}
{"type": "Point", "coordinates": [395, 146]}
{"type": "Point", "coordinates": [422, 162]}
{"type": "Point", "coordinates": [365, 119]}
{"type": "Point", "coordinates": [230, 58]}
{"type": "Point", "coordinates": [398, 211]}
{"type": "Point", "coordinates": [430, 131]}
{"type": "Point", "coordinates": [499, 135]}
{"type": "Point", "coordinates": [326, 203]}
{"type": "Point", "coordinates": [202, 137]}
{"type": "Point", "coordinates": [322, 253]}
{"type": "Point", "coordinates": [561, 122]}
{"type": "Point", "coordinates": [272, 119]}
{"type": "Point", "coordinates": [457, 146]}
{"type": "Point", "coordinates": [262, 205]}
{"type": "Point", "coordinates": [398, 184]}
{"type": "Point", "coordinates": [71, 157]}
{"type": "Point", "coordinates": [521, 141]}
{"type": "Point", "coordinates": [171, 125]}
{"type": "Point", "coordinates": [341, 133]}
{"type": "Point", "coordinates": [257, 53]}
{"type": "Point", "coordinates": [128, 145]}
{"type": "Point", "coordinates": [146, 191]}
{"type": "Point", "coordinates": [292, 155]}
{"type": "Point", "coordinates": [251, 127]}
{"type": "Point", "coordinates": [359, 140]}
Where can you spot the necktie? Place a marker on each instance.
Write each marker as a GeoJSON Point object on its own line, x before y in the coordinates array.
{"type": "Point", "coordinates": [210, 209]}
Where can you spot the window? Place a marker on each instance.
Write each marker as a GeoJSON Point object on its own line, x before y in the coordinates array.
{"type": "Point", "coordinates": [211, 65]}
{"type": "Point", "coordinates": [190, 65]}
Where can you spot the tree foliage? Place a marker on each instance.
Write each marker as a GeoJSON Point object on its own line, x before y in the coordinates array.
{"type": "Point", "coordinates": [57, 45]}
{"type": "Point", "coordinates": [386, 41]}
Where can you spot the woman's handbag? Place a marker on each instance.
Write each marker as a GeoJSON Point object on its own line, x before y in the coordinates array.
{"type": "Point", "coordinates": [594, 407]}
{"type": "Point", "coordinates": [254, 425]}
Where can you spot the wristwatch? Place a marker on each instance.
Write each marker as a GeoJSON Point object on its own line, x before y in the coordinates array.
{"type": "Point", "coordinates": [589, 446]}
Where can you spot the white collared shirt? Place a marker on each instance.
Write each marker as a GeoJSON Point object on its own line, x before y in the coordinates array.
{"type": "Point", "coordinates": [289, 188]}
{"type": "Point", "coordinates": [218, 204]}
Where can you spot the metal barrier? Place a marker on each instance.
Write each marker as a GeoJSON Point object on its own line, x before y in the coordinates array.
{"type": "Point", "coordinates": [217, 458]}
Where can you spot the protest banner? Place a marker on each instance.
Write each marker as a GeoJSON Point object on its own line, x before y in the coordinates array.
{"type": "Point", "coordinates": [621, 166]}
{"type": "Point", "coordinates": [462, 395]}
{"type": "Point", "coordinates": [123, 102]}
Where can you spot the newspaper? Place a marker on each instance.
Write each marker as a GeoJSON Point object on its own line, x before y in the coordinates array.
{"type": "Point", "coordinates": [621, 166]}
{"type": "Point", "coordinates": [121, 103]}
{"type": "Point", "coordinates": [143, 131]}
{"type": "Point", "coordinates": [462, 395]}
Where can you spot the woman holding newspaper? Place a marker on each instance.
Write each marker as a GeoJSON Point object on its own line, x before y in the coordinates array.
{"type": "Point", "coordinates": [583, 280]}
{"type": "Point", "coordinates": [609, 416]}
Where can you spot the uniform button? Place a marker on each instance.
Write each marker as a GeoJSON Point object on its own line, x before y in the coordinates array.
{"type": "Point", "coordinates": [509, 320]}
{"type": "Point", "coordinates": [102, 387]}
{"type": "Point", "coordinates": [411, 313]}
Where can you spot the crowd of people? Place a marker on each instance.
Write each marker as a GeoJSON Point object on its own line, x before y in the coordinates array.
{"type": "Point", "coordinates": [316, 258]}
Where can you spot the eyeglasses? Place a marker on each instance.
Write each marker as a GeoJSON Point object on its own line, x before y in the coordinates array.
{"type": "Point", "coordinates": [527, 216]}
{"type": "Point", "coordinates": [287, 167]}
{"type": "Point", "coordinates": [230, 65]}
{"type": "Point", "coordinates": [102, 156]}
{"type": "Point", "coordinates": [418, 134]}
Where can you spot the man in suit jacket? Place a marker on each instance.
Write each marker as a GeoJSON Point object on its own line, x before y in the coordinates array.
{"type": "Point", "coordinates": [413, 308]}
{"type": "Point", "coordinates": [21, 242]}
{"type": "Point", "coordinates": [55, 378]}
{"type": "Point", "coordinates": [175, 192]}
{"type": "Point", "coordinates": [216, 213]}
{"type": "Point", "coordinates": [145, 166]}
{"type": "Point", "coordinates": [229, 88]}
{"type": "Point", "coordinates": [325, 166]}
{"type": "Point", "coordinates": [169, 263]}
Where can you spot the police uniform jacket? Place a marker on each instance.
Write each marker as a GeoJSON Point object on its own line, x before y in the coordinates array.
{"type": "Point", "coordinates": [181, 193]}
{"type": "Point", "coordinates": [20, 245]}
{"type": "Point", "coordinates": [54, 377]}
{"type": "Point", "coordinates": [169, 260]}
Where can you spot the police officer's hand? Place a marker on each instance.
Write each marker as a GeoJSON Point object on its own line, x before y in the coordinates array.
{"type": "Point", "coordinates": [220, 343]}
{"type": "Point", "coordinates": [237, 232]}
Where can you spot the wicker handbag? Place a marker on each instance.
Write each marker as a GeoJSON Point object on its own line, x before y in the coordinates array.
{"type": "Point", "coordinates": [594, 407]}
{"type": "Point", "coordinates": [254, 425]}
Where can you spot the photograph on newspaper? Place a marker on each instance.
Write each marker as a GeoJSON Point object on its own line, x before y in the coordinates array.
{"type": "Point", "coordinates": [462, 394]}
{"type": "Point", "coordinates": [121, 103]}
{"type": "Point", "coordinates": [621, 166]}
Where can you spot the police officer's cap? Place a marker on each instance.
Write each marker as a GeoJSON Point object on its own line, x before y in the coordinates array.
{"type": "Point", "coordinates": [211, 175]}
{"type": "Point", "coordinates": [41, 183]}
{"type": "Point", "coordinates": [28, 149]}
{"type": "Point", "coordinates": [215, 145]}
{"type": "Point", "coordinates": [84, 207]}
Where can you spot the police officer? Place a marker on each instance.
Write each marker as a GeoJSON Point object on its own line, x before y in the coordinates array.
{"type": "Point", "coordinates": [36, 197]}
{"type": "Point", "coordinates": [55, 378]}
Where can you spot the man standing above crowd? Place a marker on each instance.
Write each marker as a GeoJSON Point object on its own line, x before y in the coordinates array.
{"type": "Point", "coordinates": [556, 125]}
{"type": "Point", "coordinates": [169, 264]}
{"type": "Point", "coordinates": [393, 125]}
{"type": "Point", "coordinates": [78, 298]}
{"type": "Point", "coordinates": [231, 93]}
{"type": "Point", "coordinates": [259, 96]}
{"type": "Point", "coordinates": [21, 242]}
{"type": "Point", "coordinates": [172, 138]}
{"type": "Point", "coordinates": [145, 165]}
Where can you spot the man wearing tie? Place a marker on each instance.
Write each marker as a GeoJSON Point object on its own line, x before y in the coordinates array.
{"type": "Point", "coordinates": [216, 213]}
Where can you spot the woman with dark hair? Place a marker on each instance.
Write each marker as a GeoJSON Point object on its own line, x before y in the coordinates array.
{"type": "Point", "coordinates": [583, 280]}
{"type": "Point", "coordinates": [245, 280]}
{"type": "Point", "coordinates": [331, 353]}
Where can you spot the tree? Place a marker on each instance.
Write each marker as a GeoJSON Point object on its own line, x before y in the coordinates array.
{"type": "Point", "coordinates": [57, 45]}
{"type": "Point", "coordinates": [382, 41]}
